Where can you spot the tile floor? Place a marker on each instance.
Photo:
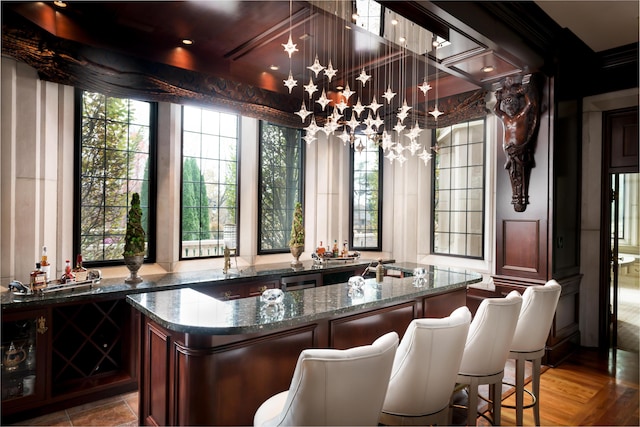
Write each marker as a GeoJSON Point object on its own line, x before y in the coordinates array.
{"type": "Point", "coordinates": [119, 410]}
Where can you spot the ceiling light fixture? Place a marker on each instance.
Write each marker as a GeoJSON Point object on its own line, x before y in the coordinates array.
{"type": "Point", "coordinates": [335, 110]}
{"type": "Point", "coordinates": [488, 68]}
{"type": "Point", "coordinates": [187, 42]}
{"type": "Point", "coordinates": [60, 4]}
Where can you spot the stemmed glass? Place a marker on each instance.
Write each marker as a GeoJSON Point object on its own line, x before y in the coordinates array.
{"type": "Point", "coordinates": [419, 273]}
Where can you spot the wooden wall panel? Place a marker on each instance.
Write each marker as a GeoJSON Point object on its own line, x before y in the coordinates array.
{"type": "Point", "coordinates": [364, 328]}
{"type": "Point", "coordinates": [230, 368]}
{"type": "Point", "coordinates": [621, 128]}
{"type": "Point", "coordinates": [156, 377]}
{"type": "Point", "coordinates": [521, 248]}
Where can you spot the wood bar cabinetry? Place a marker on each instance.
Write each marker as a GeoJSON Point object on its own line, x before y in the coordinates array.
{"type": "Point", "coordinates": [75, 353]}
{"type": "Point", "coordinates": [211, 362]}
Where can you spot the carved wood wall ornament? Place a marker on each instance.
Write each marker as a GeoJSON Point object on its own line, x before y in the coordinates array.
{"type": "Point", "coordinates": [518, 106]}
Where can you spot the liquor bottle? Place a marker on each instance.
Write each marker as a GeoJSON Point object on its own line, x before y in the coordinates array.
{"type": "Point", "coordinates": [68, 276]}
{"type": "Point", "coordinates": [45, 267]}
{"type": "Point", "coordinates": [335, 250]}
{"type": "Point", "coordinates": [379, 271]}
{"type": "Point", "coordinates": [345, 249]}
{"type": "Point", "coordinates": [79, 271]}
{"type": "Point", "coordinates": [320, 250]}
{"type": "Point", "coordinates": [37, 278]}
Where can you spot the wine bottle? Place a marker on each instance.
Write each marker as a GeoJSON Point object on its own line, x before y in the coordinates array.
{"type": "Point", "coordinates": [79, 271]}
{"type": "Point", "coordinates": [68, 276]}
{"type": "Point", "coordinates": [45, 267]}
{"type": "Point", "coordinates": [37, 279]}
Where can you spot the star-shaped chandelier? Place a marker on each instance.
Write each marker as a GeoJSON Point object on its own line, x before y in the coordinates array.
{"type": "Point", "coordinates": [340, 117]}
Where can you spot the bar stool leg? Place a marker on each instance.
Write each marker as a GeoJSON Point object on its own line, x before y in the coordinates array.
{"type": "Point", "coordinates": [472, 405]}
{"type": "Point", "coordinates": [497, 402]}
{"type": "Point", "coordinates": [536, 390]}
{"type": "Point", "coordinates": [519, 390]}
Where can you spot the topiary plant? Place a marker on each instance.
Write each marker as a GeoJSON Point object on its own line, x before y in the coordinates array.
{"type": "Point", "coordinates": [134, 239]}
{"type": "Point", "coordinates": [297, 227]}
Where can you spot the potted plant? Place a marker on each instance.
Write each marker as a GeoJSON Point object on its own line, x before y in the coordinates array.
{"type": "Point", "coordinates": [134, 240]}
{"type": "Point", "coordinates": [296, 243]}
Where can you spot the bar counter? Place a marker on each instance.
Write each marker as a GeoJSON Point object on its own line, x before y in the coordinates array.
{"type": "Point", "coordinates": [204, 361]}
{"type": "Point", "coordinates": [116, 287]}
{"type": "Point", "coordinates": [189, 311]}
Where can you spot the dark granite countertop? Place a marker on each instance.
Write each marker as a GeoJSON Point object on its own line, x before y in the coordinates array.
{"type": "Point", "coordinates": [189, 311]}
{"type": "Point", "coordinates": [115, 287]}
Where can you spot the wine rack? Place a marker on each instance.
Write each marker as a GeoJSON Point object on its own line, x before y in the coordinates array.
{"type": "Point", "coordinates": [88, 344]}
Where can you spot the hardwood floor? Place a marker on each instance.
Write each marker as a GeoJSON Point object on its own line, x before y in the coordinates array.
{"type": "Point", "coordinates": [590, 389]}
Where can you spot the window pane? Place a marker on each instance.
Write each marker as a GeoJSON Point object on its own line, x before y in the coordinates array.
{"type": "Point", "coordinates": [280, 185]}
{"type": "Point", "coordinates": [458, 207]}
{"type": "Point", "coordinates": [209, 186]}
{"type": "Point", "coordinates": [115, 162]}
{"type": "Point", "coordinates": [365, 189]}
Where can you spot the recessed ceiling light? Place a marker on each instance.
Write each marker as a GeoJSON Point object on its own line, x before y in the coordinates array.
{"type": "Point", "coordinates": [339, 87]}
{"type": "Point", "coordinates": [488, 68]}
{"type": "Point", "coordinates": [187, 42]}
{"type": "Point", "coordinates": [394, 22]}
{"type": "Point", "coordinates": [402, 39]}
{"type": "Point", "coordinates": [60, 4]}
{"type": "Point", "coordinates": [274, 67]}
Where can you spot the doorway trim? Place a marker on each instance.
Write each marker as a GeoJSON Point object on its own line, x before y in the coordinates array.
{"type": "Point", "coordinates": [590, 227]}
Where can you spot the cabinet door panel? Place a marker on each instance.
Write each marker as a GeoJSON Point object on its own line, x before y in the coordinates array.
{"type": "Point", "coordinates": [25, 343]}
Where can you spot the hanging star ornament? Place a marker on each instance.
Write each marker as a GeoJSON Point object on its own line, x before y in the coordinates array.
{"type": "Point", "coordinates": [363, 77]}
{"type": "Point", "coordinates": [425, 87]}
{"type": "Point", "coordinates": [388, 95]}
{"type": "Point", "coordinates": [310, 88]}
{"type": "Point", "coordinates": [387, 143]}
{"type": "Point", "coordinates": [436, 113]}
{"type": "Point", "coordinates": [374, 105]}
{"type": "Point", "coordinates": [353, 122]}
{"type": "Point", "coordinates": [347, 92]}
{"type": "Point", "coordinates": [414, 132]}
{"type": "Point", "coordinates": [378, 122]}
{"type": "Point", "coordinates": [290, 82]}
{"type": "Point", "coordinates": [303, 112]}
{"type": "Point", "coordinates": [323, 100]}
{"type": "Point", "coordinates": [313, 127]}
{"type": "Point", "coordinates": [309, 138]}
{"type": "Point", "coordinates": [425, 156]}
{"type": "Point", "coordinates": [391, 156]}
{"type": "Point", "coordinates": [345, 136]}
{"type": "Point", "coordinates": [290, 47]}
{"type": "Point", "coordinates": [402, 115]}
{"type": "Point", "coordinates": [316, 67]}
{"type": "Point", "coordinates": [330, 72]}
{"type": "Point", "coordinates": [399, 127]}
{"type": "Point", "coordinates": [414, 147]}
{"type": "Point", "coordinates": [341, 105]}
{"type": "Point", "coordinates": [405, 107]}
{"type": "Point", "coordinates": [358, 108]}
